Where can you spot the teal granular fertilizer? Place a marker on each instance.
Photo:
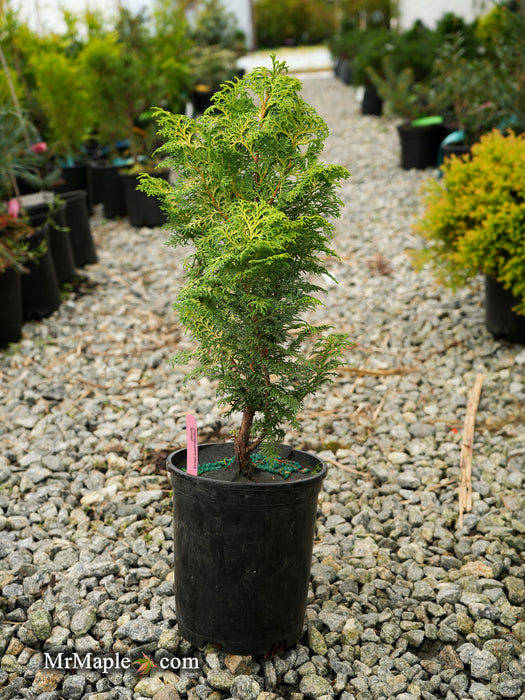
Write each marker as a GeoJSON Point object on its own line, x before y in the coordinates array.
{"type": "Point", "coordinates": [282, 467]}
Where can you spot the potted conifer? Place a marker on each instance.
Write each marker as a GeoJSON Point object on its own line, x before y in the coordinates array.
{"type": "Point", "coordinates": [472, 87]}
{"type": "Point", "coordinates": [24, 248]}
{"type": "Point", "coordinates": [253, 198]}
{"type": "Point", "coordinates": [419, 105]}
{"type": "Point", "coordinates": [65, 103]}
{"type": "Point", "coordinates": [473, 222]}
{"type": "Point", "coordinates": [124, 78]}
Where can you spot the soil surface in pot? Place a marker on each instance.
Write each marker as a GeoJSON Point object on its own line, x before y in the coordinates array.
{"type": "Point", "coordinates": [289, 467]}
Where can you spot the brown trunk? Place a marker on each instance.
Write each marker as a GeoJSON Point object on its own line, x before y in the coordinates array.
{"type": "Point", "coordinates": [241, 442]}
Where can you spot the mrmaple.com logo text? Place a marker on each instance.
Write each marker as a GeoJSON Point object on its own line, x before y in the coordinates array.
{"type": "Point", "coordinates": [64, 661]}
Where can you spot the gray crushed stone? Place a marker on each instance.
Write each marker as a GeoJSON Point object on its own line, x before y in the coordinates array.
{"type": "Point", "coordinates": [402, 603]}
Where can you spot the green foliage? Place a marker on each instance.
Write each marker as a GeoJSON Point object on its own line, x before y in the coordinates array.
{"type": "Point", "coordinates": [505, 49]}
{"type": "Point", "coordinates": [475, 217]}
{"type": "Point", "coordinates": [494, 25]}
{"type": "Point", "coordinates": [374, 13]}
{"type": "Point", "coordinates": [62, 95]}
{"type": "Point", "coordinates": [374, 45]}
{"type": "Point", "coordinates": [105, 70]}
{"type": "Point", "coordinates": [217, 44]}
{"type": "Point", "coordinates": [396, 89]}
{"type": "Point", "coordinates": [345, 43]}
{"type": "Point", "coordinates": [16, 134]}
{"type": "Point", "coordinates": [170, 47]}
{"type": "Point", "coordinates": [128, 69]}
{"type": "Point", "coordinates": [16, 160]}
{"type": "Point", "coordinates": [18, 44]}
{"type": "Point", "coordinates": [212, 66]}
{"type": "Point", "coordinates": [472, 86]}
{"type": "Point", "coordinates": [293, 21]}
{"type": "Point", "coordinates": [451, 26]}
{"type": "Point", "coordinates": [403, 95]}
{"type": "Point", "coordinates": [214, 26]}
{"type": "Point", "coordinates": [416, 49]}
{"type": "Point", "coordinates": [253, 198]}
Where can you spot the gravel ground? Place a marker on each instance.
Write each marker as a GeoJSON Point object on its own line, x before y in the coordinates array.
{"type": "Point", "coordinates": [403, 602]}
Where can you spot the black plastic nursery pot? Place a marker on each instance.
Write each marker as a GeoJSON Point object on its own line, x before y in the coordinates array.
{"type": "Point", "coordinates": [110, 191]}
{"type": "Point", "coordinates": [242, 552]}
{"type": "Point", "coordinates": [142, 209]}
{"type": "Point", "coordinates": [77, 177]}
{"type": "Point", "coordinates": [77, 220]}
{"type": "Point", "coordinates": [201, 99]}
{"type": "Point", "coordinates": [343, 70]}
{"type": "Point", "coordinates": [11, 307]}
{"type": "Point", "coordinates": [372, 103]}
{"type": "Point", "coordinates": [500, 319]}
{"type": "Point", "coordinates": [40, 290]}
{"type": "Point", "coordinates": [59, 239]}
{"type": "Point", "coordinates": [420, 144]}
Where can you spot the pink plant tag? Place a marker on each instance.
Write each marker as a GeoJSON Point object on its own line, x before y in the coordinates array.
{"type": "Point", "coordinates": [191, 445]}
{"type": "Point", "coordinates": [13, 207]}
{"type": "Point", "coordinates": [40, 147]}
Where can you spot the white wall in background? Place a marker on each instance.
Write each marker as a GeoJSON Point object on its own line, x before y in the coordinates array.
{"type": "Point", "coordinates": [429, 11]}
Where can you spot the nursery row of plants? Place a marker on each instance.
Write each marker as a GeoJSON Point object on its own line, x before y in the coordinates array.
{"type": "Point", "coordinates": [76, 106]}
{"type": "Point", "coordinates": [88, 94]}
{"type": "Point", "coordinates": [100, 78]}
{"type": "Point", "coordinates": [74, 118]}
{"type": "Point", "coordinates": [459, 76]}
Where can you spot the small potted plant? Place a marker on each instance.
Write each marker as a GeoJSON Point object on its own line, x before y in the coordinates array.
{"type": "Point", "coordinates": [63, 99]}
{"type": "Point", "coordinates": [210, 67]}
{"type": "Point", "coordinates": [252, 197]}
{"type": "Point", "coordinates": [421, 132]}
{"type": "Point", "coordinates": [23, 247]}
{"type": "Point", "coordinates": [473, 223]}
{"type": "Point", "coordinates": [41, 177]}
{"type": "Point", "coordinates": [470, 87]}
{"type": "Point", "coordinates": [13, 254]}
{"type": "Point", "coordinates": [375, 44]}
{"type": "Point", "coordinates": [121, 72]}
{"type": "Point", "coordinates": [217, 44]}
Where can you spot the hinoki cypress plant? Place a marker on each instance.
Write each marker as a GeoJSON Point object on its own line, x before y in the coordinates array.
{"type": "Point", "coordinates": [254, 199]}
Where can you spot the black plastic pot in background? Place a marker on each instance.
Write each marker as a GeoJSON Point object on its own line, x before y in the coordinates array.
{"type": "Point", "coordinates": [108, 183]}
{"type": "Point", "coordinates": [242, 553]}
{"type": "Point", "coordinates": [142, 210]}
{"type": "Point", "coordinates": [59, 238]}
{"type": "Point", "coordinates": [343, 70]}
{"type": "Point", "coordinates": [11, 307]}
{"type": "Point", "coordinates": [97, 184]}
{"type": "Point", "coordinates": [420, 145]}
{"type": "Point", "coordinates": [40, 290]}
{"type": "Point", "coordinates": [25, 188]}
{"type": "Point", "coordinates": [371, 103]}
{"type": "Point", "coordinates": [77, 220]}
{"type": "Point", "coordinates": [77, 177]}
{"type": "Point", "coordinates": [201, 99]}
{"type": "Point", "coordinates": [500, 319]}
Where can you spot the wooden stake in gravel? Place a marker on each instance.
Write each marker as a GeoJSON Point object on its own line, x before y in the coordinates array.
{"type": "Point", "coordinates": [465, 473]}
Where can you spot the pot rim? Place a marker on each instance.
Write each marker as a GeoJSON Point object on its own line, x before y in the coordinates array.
{"type": "Point", "coordinates": [305, 480]}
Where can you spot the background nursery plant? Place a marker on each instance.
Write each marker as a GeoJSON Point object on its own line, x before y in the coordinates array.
{"type": "Point", "coordinates": [253, 198]}
{"type": "Point", "coordinates": [474, 217]}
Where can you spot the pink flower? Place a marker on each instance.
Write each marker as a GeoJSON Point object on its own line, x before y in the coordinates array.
{"type": "Point", "coordinates": [13, 208]}
{"type": "Point", "coordinates": [40, 147]}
